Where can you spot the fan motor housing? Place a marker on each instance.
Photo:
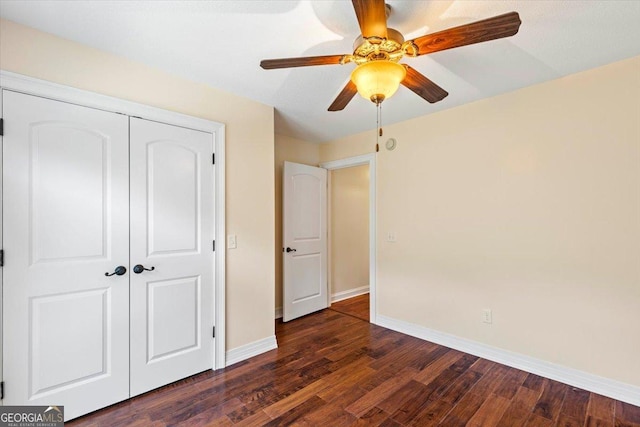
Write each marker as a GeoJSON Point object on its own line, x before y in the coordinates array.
{"type": "Point", "coordinates": [374, 48]}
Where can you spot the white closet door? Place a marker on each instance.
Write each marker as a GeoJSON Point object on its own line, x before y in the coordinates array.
{"type": "Point", "coordinates": [66, 224]}
{"type": "Point", "coordinates": [172, 217]}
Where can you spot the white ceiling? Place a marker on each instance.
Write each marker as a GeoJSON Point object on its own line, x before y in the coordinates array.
{"type": "Point", "coordinates": [221, 43]}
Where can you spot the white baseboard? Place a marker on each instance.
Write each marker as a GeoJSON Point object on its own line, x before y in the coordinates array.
{"type": "Point", "coordinates": [593, 383]}
{"type": "Point", "coordinates": [278, 312]}
{"type": "Point", "coordinates": [247, 351]}
{"type": "Point", "coordinates": [339, 296]}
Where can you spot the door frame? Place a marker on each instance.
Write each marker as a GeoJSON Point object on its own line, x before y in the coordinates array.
{"type": "Point", "coordinates": [58, 92]}
{"type": "Point", "coordinates": [370, 160]}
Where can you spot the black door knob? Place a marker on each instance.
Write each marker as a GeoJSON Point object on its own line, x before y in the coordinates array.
{"type": "Point", "coordinates": [290, 250]}
{"type": "Point", "coordinates": [139, 268]}
{"type": "Point", "coordinates": [119, 271]}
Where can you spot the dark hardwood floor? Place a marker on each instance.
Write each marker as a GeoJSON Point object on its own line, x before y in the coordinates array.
{"type": "Point", "coordinates": [333, 369]}
{"type": "Point", "coordinates": [356, 307]}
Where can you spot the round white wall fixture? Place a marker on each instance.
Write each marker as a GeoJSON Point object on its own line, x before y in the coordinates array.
{"type": "Point", "coordinates": [390, 144]}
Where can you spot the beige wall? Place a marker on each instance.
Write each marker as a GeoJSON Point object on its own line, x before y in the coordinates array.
{"type": "Point", "coordinates": [349, 229]}
{"type": "Point", "coordinates": [527, 203]}
{"type": "Point", "coordinates": [249, 156]}
{"type": "Point", "coordinates": [290, 150]}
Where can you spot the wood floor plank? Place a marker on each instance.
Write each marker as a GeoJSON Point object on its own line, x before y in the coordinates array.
{"type": "Point", "coordinates": [431, 414]}
{"type": "Point", "coordinates": [520, 408]}
{"type": "Point", "coordinates": [490, 381]}
{"type": "Point", "coordinates": [203, 414]}
{"type": "Point", "coordinates": [334, 412]}
{"type": "Point", "coordinates": [451, 397]}
{"type": "Point", "coordinates": [387, 344]}
{"type": "Point", "coordinates": [220, 422]}
{"type": "Point", "coordinates": [292, 415]}
{"type": "Point", "coordinates": [433, 390]}
{"type": "Point", "coordinates": [600, 411]}
{"type": "Point", "coordinates": [460, 387]}
{"type": "Point", "coordinates": [538, 421]}
{"type": "Point", "coordinates": [482, 366]}
{"type": "Point", "coordinates": [257, 419]}
{"type": "Point", "coordinates": [359, 342]}
{"type": "Point", "coordinates": [431, 371]}
{"type": "Point", "coordinates": [627, 413]}
{"type": "Point", "coordinates": [399, 356]}
{"type": "Point", "coordinates": [381, 377]}
{"type": "Point", "coordinates": [490, 412]}
{"type": "Point", "coordinates": [380, 393]}
{"type": "Point", "coordinates": [550, 401]}
{"type": "Point", "coordinates": [511, 382]}
{"type": "Point", "coordinates": [575, 404]}
{"type": "Point", "coordinates": [242, 413]}
{"type": "Point", "coordinates": [389, 422]}
{"type": "Point", "coordinates": [596, 422]}
{"type": "Point", "coordinates": [334, 369]}
{"type": "Point", "coordinates": [463, 411]}
{"type": "Point", "coordinates": [357, 306]}
{"type": "Point", "coordinates": [345, 382]}
{"type": "Point", "coordinates": [565, 420]}
{"type": "Point", "coordinates": [535, 382]}
{"type": "Point", "coordinates": [404, 394]}
{"type": "Point", "coordinates": [283, 405]}
{"type": "Point", "coordinates": [373, 417]}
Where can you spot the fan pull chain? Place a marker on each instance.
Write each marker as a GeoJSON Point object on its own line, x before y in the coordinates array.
{"type": "Point", "coordinates": [380, 119]}
{"type": "Point", "coordinates": [378, 125]}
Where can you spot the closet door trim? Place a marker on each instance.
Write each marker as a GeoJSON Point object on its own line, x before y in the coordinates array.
{"type": "Point", "coordinates": [42, 88]}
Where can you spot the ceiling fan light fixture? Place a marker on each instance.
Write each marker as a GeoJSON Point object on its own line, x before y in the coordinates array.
{"type": "Point", "coordinates": [378, 80]}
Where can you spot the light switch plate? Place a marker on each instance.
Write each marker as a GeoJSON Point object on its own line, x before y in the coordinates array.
{"type": "Point", "coordinates": [487, 316]}
{"type": "Point", "coordinates": [232, 241]}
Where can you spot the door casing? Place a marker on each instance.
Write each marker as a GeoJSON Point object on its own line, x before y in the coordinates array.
{"type": "Point", "coordinates": [370, 160]}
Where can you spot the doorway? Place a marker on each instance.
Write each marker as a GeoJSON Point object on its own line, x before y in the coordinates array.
{"type": "Point", "coordinates": [352, 239]}
{"type": "Point", "coordinates": [348, 218]}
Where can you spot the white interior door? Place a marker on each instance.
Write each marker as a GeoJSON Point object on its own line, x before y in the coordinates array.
{"type": "Point", "coordinates": [66, 224]}
{"type": "Point", "coordinates": [172, 218]}
{"type": "Point", "coordinates": [305, 240]}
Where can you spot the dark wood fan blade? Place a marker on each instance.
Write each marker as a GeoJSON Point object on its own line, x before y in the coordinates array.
{"type": "Point", "coordinates": [303, 61]}
{"type": "Point", "coordinates": [344, 97]}
{"type": "Point", "coordinates": [423, 86]}
{"type": "Point", "coordinates": [372, 17]}
{"type": "Point", "coordinates": [481, 31]}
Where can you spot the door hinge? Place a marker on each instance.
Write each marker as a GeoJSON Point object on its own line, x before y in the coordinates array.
{"type": "Point", "coordinates": [213, 158]}
{"type": "Point", "coordinates": [1, 257]}
{"type": "Point", "coordinates": [1, 127]}
{"type": "Point", "coordinates": [1, 390]}
{"type": "Point", "coordinates": [214, 332]}
{"type": "Point", "coordinates": [214, 246]}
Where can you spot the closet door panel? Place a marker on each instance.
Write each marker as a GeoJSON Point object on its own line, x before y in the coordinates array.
{"type": "Point", "coordinates": [172, 217]}
{"type": "Point", "coordinates": [66, 224]}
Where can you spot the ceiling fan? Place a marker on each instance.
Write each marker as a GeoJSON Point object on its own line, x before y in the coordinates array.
{"type": "Point", "coordinates": [378, 50]}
